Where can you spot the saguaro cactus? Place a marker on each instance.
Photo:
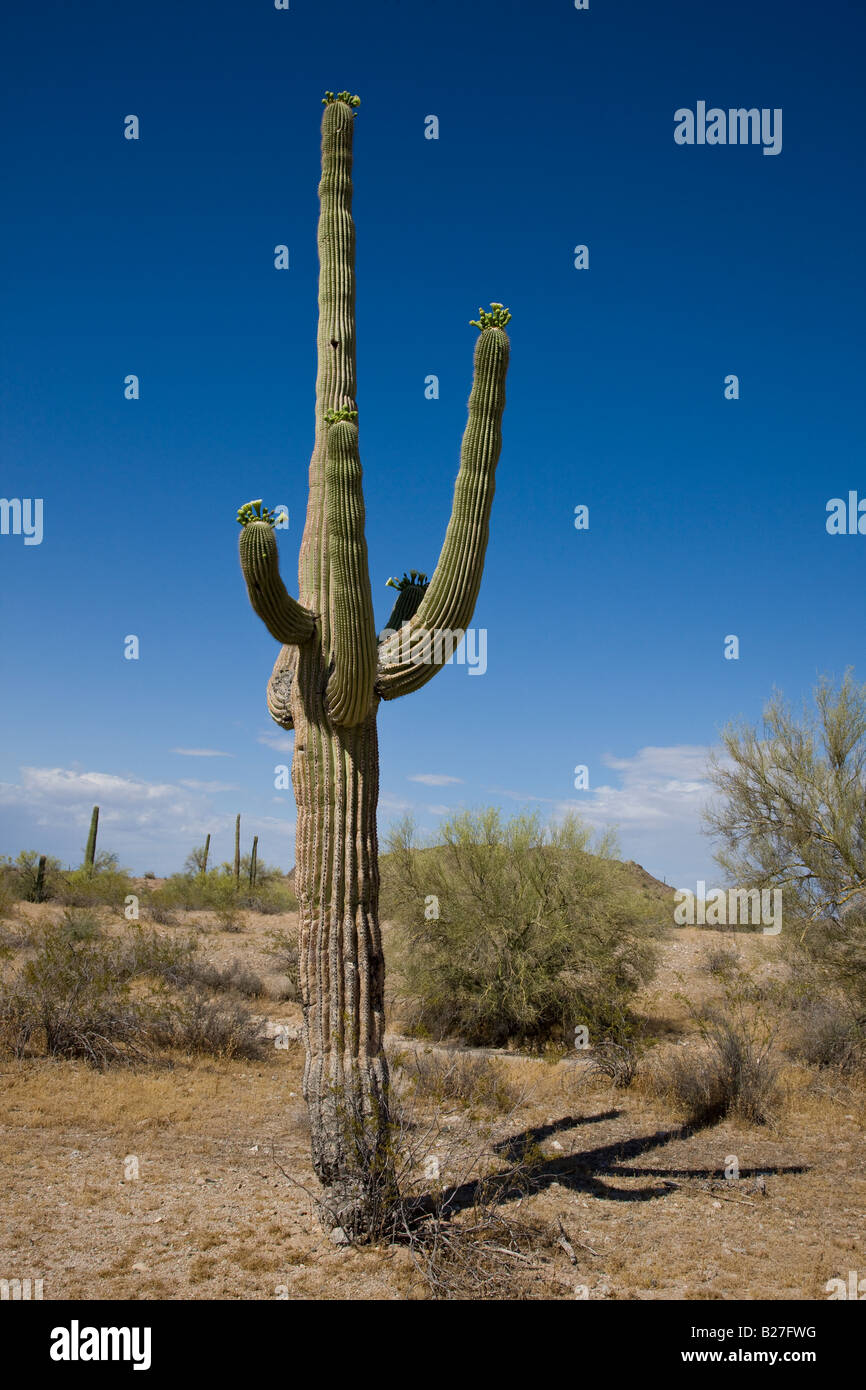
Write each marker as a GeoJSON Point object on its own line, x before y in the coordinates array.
{"type": "Point", "coordinates": [90, 851]}
{"type": "Point", "coordinates": [254, 859]}
{"type": "Point", "coordinates": [237, 863]}
{"type": "Point", "coordinates": [328, 680]}
{"type": "Point", "coordinates": [39, 887]}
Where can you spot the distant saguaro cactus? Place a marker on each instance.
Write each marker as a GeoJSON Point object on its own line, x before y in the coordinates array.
{"type": "Point", "coordinates": [327, 682]}
{"type": "Point", "coordinates": [205, 857]}
{"type": "Point", "coordinates": [39, 888]}
{"type": "Point", "coordinates": [254, 861]}
{"type": "Point", "coordinates": [237, 863]}
{"type": "Point", "coordinates": [90, 851]}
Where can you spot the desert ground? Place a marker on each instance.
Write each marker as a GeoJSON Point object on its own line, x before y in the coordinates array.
{"type": "Point", "coordinates": [189, 1177]}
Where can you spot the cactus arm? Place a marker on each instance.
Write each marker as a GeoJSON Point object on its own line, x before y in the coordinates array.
{"type": "Point", "coordinates": [405, 663]}
{"type": "Point", "coordinates": [411, 592]}
{"type": "Point", "coordinates": [282, 615]}
{"type": "Point", "coordinates": [336, 376]}
{"type": "Point", "coordinates": [352, 629]}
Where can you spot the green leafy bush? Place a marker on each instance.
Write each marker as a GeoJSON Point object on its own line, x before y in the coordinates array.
{"type": "Point", "coordinates": [514, 931]}
{"type": "Point", "coordinates": [215, 892]}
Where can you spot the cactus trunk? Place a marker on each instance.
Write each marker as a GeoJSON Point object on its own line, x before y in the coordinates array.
{"type": "Point", "coordinates": [90, 851]}
{"type": "Point", "coordinates": [39, 890]}
{"type": "Point", "coordinates": [205, 857]}
{"type": "Point", "coordinates": [253, 861]}
{"type": "Point", "coordinates": [327, 682]}
{"type": "Point", "coordinates": [237, 864]}
{"type": "Point", "coordinates": [335, 774]}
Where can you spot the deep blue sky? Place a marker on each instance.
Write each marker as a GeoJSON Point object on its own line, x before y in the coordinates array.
{"type": "Point", "coordinates": [155, 257]}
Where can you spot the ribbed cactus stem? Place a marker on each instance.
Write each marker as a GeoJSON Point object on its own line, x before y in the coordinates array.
{"type": "Point", "coordinates": [254, 861]}
{"type": "Point", "coordinates": [282, 615]}
{"type": "Point", "coordinates": [90, 851]}
{"type": "Point", "coordinates": [449, 602]}
{"type": "Point", "coordinates": [204, 858]}
{"type": "Point", "coordinates": [237, 864]}
{"type": "Point", "coordinates": [353, 633]}
{"type": "Point", "coordinates": [39, 890]}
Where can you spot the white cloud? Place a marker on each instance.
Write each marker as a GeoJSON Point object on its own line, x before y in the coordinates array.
{"type": "Point", "coordinates": [656, 809]}
{"type": "Point", "coordinates": [282, 743]}
{"type": "Point", "coordinates": [433, 779]}
{"type": "Point", "coordinates": [148, 824]}
{"type": "Point", "coordinates": [201, 753]}
{"type": "Point", "coordinates": [197, 786]}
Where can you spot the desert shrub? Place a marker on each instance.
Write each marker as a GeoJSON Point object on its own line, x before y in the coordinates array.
{"type": "Point", "coordinates": [215, 892]}
{"type": "Point", "coordinates": [617, 1061]}
{"type": "Point", "coordinates": [8, 896]}
{"type": "Point", "coordinates": [160, 912]}
{"type": "Point", "coordinates": [234, 976]}
{"type": "Point", "coordinates": [514, 931]}
{"type": "Point", "coordinates": [118, 1000]}
{"type": "Point", "coordinates": [284, 948]}
{"type": "Point", "coordinates": [80, 924]}
{"type": "Point", "coordinates": [721, 962]}
{"type": "Point", "coordinates": [731, 1069]}
{"type": "Point", "coordinates": [830, 956]}
{"type": "Point", "coordinates": [145, 953]}
{"type": "Point", "coordinates": [71, 998]}
{"type": "Point", "coordinates": [479, 1082]}
{"type": "Point", "coordinates": [214, 1027]}
{"type": "Point", "coordinates": [791, 816]}
{"type": "Point", "coordinates": [107, 884]}
{"type": "Point", "coordinates": [825, 1033]}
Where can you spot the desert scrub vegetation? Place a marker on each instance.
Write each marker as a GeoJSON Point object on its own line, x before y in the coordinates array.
{"type": "Point", "coordinates": [284, 949]}
{"type": "Point", "coordinates": [215, 891]}
{"type": "Point", "coordinates": [120, 999]}
{"type": "Point", "coordinates": [791, 816]}
{"type": "Point", "coordinates": [478, 1083]}
{"type": "Point", "coordinates": [31, 877]}
{"type": "Point", "coordinates": [731, 1067]}
{"type": "Point", "coordinates": [105, 884]}
{"type": "Point", "coordinates": [514, 931]}
{"type": "Point", "coordinates": [34, 878]}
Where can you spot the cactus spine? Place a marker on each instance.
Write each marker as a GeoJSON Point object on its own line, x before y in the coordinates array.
{"type": "Point", "coordinates": [327, 682]}
{"type": "Point", "coordinates": [90, 851]}
{"type": "Point", "coordinates": [254, 861]}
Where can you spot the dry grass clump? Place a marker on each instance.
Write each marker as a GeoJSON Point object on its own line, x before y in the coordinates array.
{"type": "Point", "coordinates": [731, 1068]}
{"type": "Point", "coordinates": [459, 1078]}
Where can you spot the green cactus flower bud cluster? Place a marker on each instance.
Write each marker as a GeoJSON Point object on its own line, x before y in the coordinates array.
{"type": "Point", "coordinates": [333, 416]}
{"type": "Point", "coordinates": [410, 594]}
{"type": "Point", "coordinates": [496, 317]}
{"type": "Point", "coordinates": [253, 511]}
{"type": "Point", "coordinates": [341, 96]}
{"type": "Point", "coordinates": [413, 578]}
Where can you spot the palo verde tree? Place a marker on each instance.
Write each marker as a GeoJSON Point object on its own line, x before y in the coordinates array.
{"type": "Point", "coordinates": [791, 814]}
{"type": "Point", "coordinates": [329, 678]}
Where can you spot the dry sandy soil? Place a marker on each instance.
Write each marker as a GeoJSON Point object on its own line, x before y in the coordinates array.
{"type": "Point", "coordinates": [622, 1203]}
